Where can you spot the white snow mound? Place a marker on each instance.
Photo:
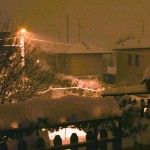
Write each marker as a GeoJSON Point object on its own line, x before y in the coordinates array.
{"type": "Point", "coordinates": [59, 110]}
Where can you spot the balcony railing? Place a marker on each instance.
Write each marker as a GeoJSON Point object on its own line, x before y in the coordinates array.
{"type": "Point", "coordinates": [96, 136]}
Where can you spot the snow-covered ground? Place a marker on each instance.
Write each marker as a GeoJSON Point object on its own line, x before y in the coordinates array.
{"type": "Point", "coordinates": [74, 108]}
{"type": "Point", "coordinates": [59, 110]}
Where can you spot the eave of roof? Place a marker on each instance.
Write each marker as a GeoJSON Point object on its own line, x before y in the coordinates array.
{"type": "Point", "coordinates": [78, 49]}
{"type": "Point", "coordinates": [138, 43]}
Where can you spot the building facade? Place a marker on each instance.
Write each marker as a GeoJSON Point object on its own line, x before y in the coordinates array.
{"type": "Point", "coordinates": [132, 58]}
{"type": "Point", "coordinates": [78, 60]}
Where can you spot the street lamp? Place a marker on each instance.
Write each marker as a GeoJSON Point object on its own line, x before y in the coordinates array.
{"type": "Point", "coordinates": [23, 30]}
{"type": "Point", "coordinates": [22, 34]}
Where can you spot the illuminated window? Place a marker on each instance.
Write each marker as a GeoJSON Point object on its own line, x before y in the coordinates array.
{"type": "Point", "coordinates": [137, 60]}
{"type": "Point", "coordinates": [129, 60]}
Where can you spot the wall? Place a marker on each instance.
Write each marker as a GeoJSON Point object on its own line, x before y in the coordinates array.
{"type": "Point", "coordinates": [78, 64]}
{"type": "Point", "coordinates": [131, 75]}
{"type": "Point", "coordinates": [86, 64]}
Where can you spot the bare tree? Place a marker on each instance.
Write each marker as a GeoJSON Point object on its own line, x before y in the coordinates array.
{"type": "Point", "coordinates": [17, 82]}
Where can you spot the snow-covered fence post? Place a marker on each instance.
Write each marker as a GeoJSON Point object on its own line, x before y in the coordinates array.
{"type": "Point", "coordinates": [3, 146]}
{"type": "Point", "coordinates": [89, 137]}
{"type": "Point", "coordinates": [117, 144]}
{"type": "Point", "coordinates": [103, 135]}
{"type": "Point", "coordinates": [95, 136]}
{"type": "Point", "coordinates": [40, 143]}
{"type": "Point", "coordinates": [57, 140]}
{"type": "Point", "coordinates": [74, 140]}
{"type": "Point", "coordinates": [142, 109]}
{"type": "Point", "coordinates": [148, 101]}
{"type": "Point", "coordinates": [22, 145]}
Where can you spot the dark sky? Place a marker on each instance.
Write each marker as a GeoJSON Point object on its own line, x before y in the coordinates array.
{"type": "Point", "coordinates": [102, 21]}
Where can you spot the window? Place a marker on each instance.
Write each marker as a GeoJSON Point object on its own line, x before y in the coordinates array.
{"type": "Point", "coordinates": [129, 60]}
{"type": "Point", "coordinates": [137, 60]}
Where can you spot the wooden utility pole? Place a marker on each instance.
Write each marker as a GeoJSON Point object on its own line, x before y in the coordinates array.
{"type": "Point", "coordinates": [67, 29]}
{"type": "Point", "coordinates": [79, 30]}
{"type": "Point", "coordinates": [143, 28]}
{"type": "Point", "coordinates": [59, 37]}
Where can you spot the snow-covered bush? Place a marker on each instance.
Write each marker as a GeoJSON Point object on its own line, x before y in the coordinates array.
{"type": "Point", "coordinates": [89, 87]}
{"type": "Point", "coordinates": [132, 123]}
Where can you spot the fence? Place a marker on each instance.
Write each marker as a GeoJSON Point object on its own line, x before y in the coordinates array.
{"type": "Point", "coordinates": [145, 109]}
{"type": "Point", "coordinates": [96, 136]}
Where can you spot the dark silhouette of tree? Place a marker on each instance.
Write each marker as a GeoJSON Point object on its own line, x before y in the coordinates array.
{"type": "Point", "coordinates": [17, 82]}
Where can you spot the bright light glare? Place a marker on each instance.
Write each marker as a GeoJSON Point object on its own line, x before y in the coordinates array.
{"type": "Point", "coordinates": [66, 133]}
{"type": "Point", "coordinates": [38, 61]}
{"type": "Point", "coordinates": [23, 30]}
{"type": "Point", "coordinates": [14, 125]}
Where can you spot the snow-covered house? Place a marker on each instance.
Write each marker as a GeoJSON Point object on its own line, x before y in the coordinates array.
{"type": "Point", "coordinates": [78, 60]}
{"type": "Point", "coordinates": [132, 58]}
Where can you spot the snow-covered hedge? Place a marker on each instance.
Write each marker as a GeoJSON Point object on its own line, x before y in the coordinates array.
{"type": "Point", "coordinates": [60, 110]}
{"type": "Point", "coordinates": [135, 129]}
{"type": "Point", "coordinates": [94, 85]}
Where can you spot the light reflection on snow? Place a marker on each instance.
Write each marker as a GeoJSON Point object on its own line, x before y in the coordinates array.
{"type": "Point", "coordinates": [14, 125]}
{"type": "Point", "coordinates": [66, 133]}
{"type": "Point", "coordinates": [145, 109]}
{"type": "Point", "coordinates": [87, 87]}
{"type": "Point", "coordinates": [62, 119]}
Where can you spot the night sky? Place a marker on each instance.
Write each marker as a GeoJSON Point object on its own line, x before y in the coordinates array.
{"type": "Point", "coordinates": [102, 21]}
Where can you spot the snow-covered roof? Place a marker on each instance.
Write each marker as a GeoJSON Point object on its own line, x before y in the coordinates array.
{"type": "Point", "coordinates": [137, 43]}
{"type": "Point", "coordinates": [80, 48]}
{"type": "Point", "coordinates": [60, 110]}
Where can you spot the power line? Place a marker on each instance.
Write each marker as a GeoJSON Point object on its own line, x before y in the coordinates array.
{"type": "Point", "coordinates": [41, 40]}
{"type": "Point", "coordinates": [48, 41]}
{"type": "Point", "coordinates": [41, 49]}
{"type": "Point", "coordinates": [8, 38]}
{"type": "Point", "coordinates": [13, 45]}
{"type": "Point", "coordinates": [33, 45]}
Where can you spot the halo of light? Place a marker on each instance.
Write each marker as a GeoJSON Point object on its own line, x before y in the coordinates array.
{"type": "Point", "coordinates": [23, 30]}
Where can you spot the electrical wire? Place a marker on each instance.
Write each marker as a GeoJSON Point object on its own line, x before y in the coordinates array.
{"type": "Point", "coordinates": [13, 45]}
{"type": "Point", "coordinates": [46, 41]}
{"type": "Point", "coordinates": [8, 38]}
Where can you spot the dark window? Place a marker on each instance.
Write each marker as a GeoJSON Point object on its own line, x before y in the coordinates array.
{"type": "Point", "coordinates": [129, 60]}
{"type": "Point", "coordinates": [137, 60]}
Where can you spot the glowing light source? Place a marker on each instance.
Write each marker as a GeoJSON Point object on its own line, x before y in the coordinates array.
{"type": "Point", "coordinates": [23, 30]}
{"type": "Point", "coordinates": [14, 125]}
